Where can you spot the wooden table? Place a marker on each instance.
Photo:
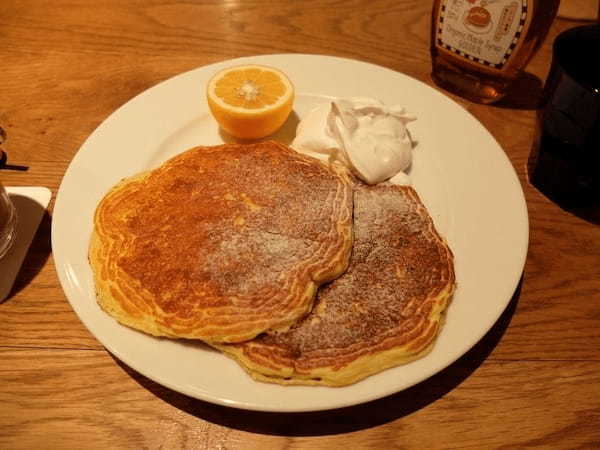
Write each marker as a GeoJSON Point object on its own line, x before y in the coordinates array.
{"type": "Point", "coordinates": [533, 381]}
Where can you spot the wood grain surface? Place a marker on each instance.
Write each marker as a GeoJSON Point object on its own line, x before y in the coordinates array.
{"type": "Point", "coordinates": [532, 382]}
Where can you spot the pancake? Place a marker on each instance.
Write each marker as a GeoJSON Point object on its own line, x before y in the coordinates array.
{"type": "Point", "coordinates": [221, 243]}
{"type": "Point", "coordinates": [385, 310]}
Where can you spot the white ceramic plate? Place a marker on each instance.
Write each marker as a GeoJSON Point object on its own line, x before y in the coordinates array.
{"type": "Point", "coordinates": [460, 171]}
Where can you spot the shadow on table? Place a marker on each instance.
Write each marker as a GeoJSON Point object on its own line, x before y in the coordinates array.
{"type": "Point", "coordinates": [342, 420]}
{"type": "Point", "coordinates": [525, 93]}
{"type": "Point", "coordinates": [590, 213]}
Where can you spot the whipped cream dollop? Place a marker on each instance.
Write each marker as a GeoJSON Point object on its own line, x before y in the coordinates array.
{"type": "Point", "coordinates": [362, 133]}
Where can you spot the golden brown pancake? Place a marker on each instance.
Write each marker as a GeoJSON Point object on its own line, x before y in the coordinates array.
{"type": "Point", "coordinates": [385, 310]}
{"type": "Point", "coordinates": [221, 243]}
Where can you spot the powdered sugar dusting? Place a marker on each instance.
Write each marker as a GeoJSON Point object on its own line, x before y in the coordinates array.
{"type": "Point", "coordinates": [253, 261]}
{"type": "Point", "coordinates": [396, 261]}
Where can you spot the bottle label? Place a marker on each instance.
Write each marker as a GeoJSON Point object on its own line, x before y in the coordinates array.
{"type": "Point", "coordinates": [483, 32]}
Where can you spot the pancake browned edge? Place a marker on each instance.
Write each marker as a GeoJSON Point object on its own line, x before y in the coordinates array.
{"type": "Point", "coordinates": [385, 310]}
{"type": "Point", "coordinates": [221, 243]}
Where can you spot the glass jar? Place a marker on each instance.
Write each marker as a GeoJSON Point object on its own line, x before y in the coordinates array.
{"type": "Point", "coordinates": [479, 47]}
{"type": "Point", "coordinates": [8, 222]}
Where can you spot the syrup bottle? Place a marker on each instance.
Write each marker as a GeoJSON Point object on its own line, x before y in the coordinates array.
{"type": "Point", "coordinates": [479, 47]}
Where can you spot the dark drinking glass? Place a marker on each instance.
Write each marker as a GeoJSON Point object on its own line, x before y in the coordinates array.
{"type": "Point", "coordinates": [565, 162]}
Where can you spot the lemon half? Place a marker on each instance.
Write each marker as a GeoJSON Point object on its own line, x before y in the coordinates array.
{"type": "Point", "coordinates": [250, 101]}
